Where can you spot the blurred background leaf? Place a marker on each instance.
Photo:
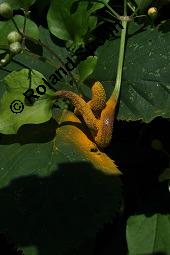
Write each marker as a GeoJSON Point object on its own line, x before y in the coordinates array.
{"type": "Point", "coordinates": [148, 235]}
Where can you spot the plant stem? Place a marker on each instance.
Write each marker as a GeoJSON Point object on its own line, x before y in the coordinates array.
{"type": "Point", "coordinates": [130, 5]}
{"type": "Point", "coordinates": [116, 90]}
{"type": "Point", "coordinates": [25, 20]}
{"type": "Point", "coordinates": [24, 27]}
{"type": "Point", "coordinates": [115, 14]}
{"type": "Point", "coordinates": [125, 7]}
{"type": "Point", "coordinates": [15, 24]}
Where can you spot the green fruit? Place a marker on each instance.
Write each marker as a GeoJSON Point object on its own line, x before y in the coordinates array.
{"type": "Point", "coordinates": [5, 61]}
{"type": "Point", "coordinates": [15, 48]}
{"type": "Point", "coordinates": [6, 11]}
{"type": "Point", "coordinates": [14, 37]}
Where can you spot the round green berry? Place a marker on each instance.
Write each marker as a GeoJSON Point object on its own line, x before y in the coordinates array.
{"type": "Point", "coordinates": [5, 61]}
{"type": "Point", "coordinates": [15, 48]}
{"type": "Point", "coordinates": [14, 37]}
{"type": "Point", "coordinates": [2, 62]}
{"type": "Point", "coordinates": [6, 11]}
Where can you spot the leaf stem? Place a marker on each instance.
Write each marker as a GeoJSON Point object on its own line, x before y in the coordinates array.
{"type": "Point", "coordinates": [131, 6]}
{"type": "Point", "coordinates": [25, 21]}
{"type": "Point", "coordinates": [116, 90]}
{"type": "Point", "coordinates": [15, 24]}
{"type": "Point", "coordinates": [115, 14]}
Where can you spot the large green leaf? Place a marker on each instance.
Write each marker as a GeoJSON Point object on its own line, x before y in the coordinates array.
{"type": "Point", "coordinates": [56, 188]}
{"type": "Point", "coordinates": [7, 26]}
{"type": "Point", "coordinates": [69, 26]}
{"type": "Point", "coordinates": [148, 235]}
{"type": "Point", "coordinates": [18, 82]}
{"type": "Point", "coordinates": [145, 91]}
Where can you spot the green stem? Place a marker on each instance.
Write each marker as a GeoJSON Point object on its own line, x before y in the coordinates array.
{"type": "Point", "coordinates": [125, 7]}
{"type": "Point", "coordinates": [24, 27]}
{"type": "Point", "coordinates": [112, 11]}
{"type": "Point", "coordinates": [17, 28]}
{"type": "Point", "coordinates": [25, 21]}
{"type": "Point", "coordinates": [116, 90]}
{"type": "Point", "coordinates": [130, 5]}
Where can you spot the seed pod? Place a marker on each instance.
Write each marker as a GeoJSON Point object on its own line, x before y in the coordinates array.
{"type": "Point", "coordinates": [15, 48]}
{"type": "Point", "coordinates": [98, 101]}
{"type": "Point", "coordinates": [6, 11]}
{"type": "Point", "coordinates": [14, 37]}
{"type": "Point", "coordinates": [153, 13]}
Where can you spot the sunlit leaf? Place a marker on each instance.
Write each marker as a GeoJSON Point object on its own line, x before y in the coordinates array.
{"type": "Point", "coordinates": [17, 83]}
{"type": "Point", "coordinates": [56, 190]}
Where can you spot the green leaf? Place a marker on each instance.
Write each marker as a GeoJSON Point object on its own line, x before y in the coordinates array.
{"type": "Point", "coordinates": [7, 26]}
{"type": "Point", "coordinates": [17, 4]}
{"type": "Point", "coordinates": [86, 67]}
{"type": "Point", "coordinates": [55, 191]}
{"type": "Point", "coordinates": [2, 51]}
{"type": "Point", "coordinates": [145, 90]}
{"type": "Point", "coordinates": [148, 235]}
{"type": "Point", "coordinates": [72, 26]}
{"type": "Point", "coordinates": [18, 82]}
{"type": "Point", "coordinates": [41, 64]}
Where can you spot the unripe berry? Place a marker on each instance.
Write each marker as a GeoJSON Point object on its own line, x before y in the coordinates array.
{"type": "Point", "coordinates": [15, 48]}
{"type": "Point", "coordinates": [2, 62]}
{"type": "Point", "coordinates": [14, 37]}
{"type": "Point", "coordinates": [153, 13]}
{"type": "Point", "coordinates": [5, 61]}
{"type": "Point", "coordinates": [6, 11]}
